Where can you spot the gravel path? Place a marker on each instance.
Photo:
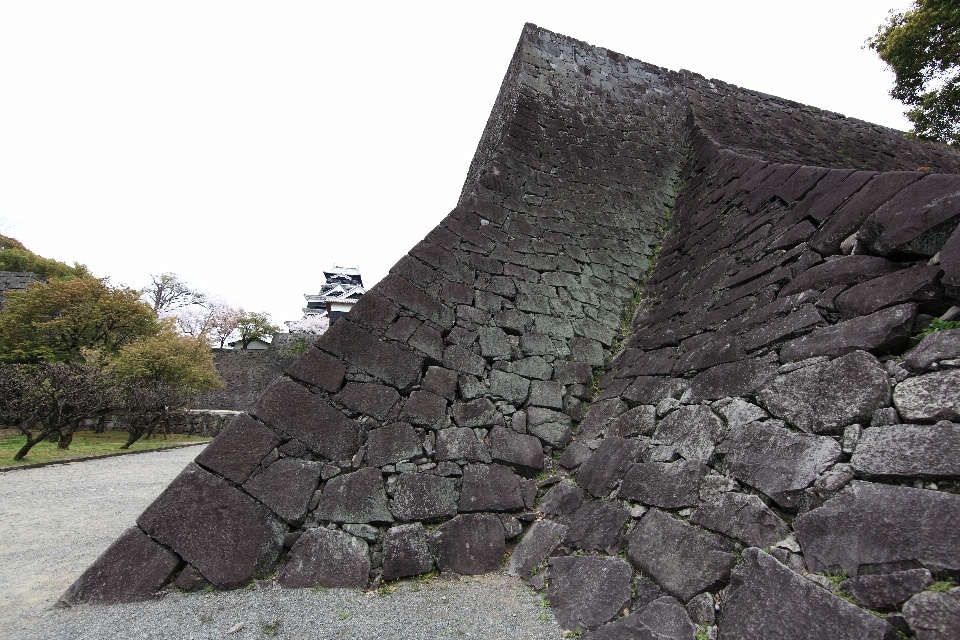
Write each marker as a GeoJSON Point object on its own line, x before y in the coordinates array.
{"type": "Point", "coordinates": [54, 521]}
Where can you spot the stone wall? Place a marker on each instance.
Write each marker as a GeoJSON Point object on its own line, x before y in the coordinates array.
{"type": "Point", "coordinates": [15, 280]}
{"type": "Point", "coordinates": [703, 457]}
{"type": "Point", "coordinates": [246, 374]}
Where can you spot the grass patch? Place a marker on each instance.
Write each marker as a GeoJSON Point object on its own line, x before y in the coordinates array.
{"type": "Point", "coordinates": [85, 443]}
{"type": "Point", "coordinates": [938, 325]}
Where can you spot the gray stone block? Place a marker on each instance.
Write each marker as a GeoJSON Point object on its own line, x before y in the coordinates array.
{"type": "Point", "coordinates": [511, 447]}
{"type": "Point", "coordinates": [909, 451]}
{"type": "Point", "coordinates": [597, 526]}
{"type": "Point", "coordinates": [887, 591]}
{"type": "Point", "coordinates": [286, 487]}
{"type": "Point", "coordinates": [419, 496]}
{"type": "Point", "coordinates": [585, 591]}
{"type": "Point", "coordinates": [882, 332]}
{"type": "Point", "coordinates": [932, 396]}
{"type": "Point", "coordinates": [609, 464]}
{"type": "Point", "coordinates": [406, 552]}
{"type": "Point", "coordinates": [460, 443]}
{"type": "Point", "coordinates": [561, 502]}
{"type": "Point", "coordinates": [239, 448]}
{"type": "Point", "coordinates": [509, 386]}
{"type": "Point", "coordinates": [490, 487]}
{"type": "Point", "coordinates": [666, 485]}
{"type": "Point", "coordinates": [374, 400]}
{"type": "Point", "coordinates": [327, 558]}
{"type": "Point", "coordinates": [392, 443]}
{"type": "Point", "coordinates": [357, 497]}
{"type": "Point", "coordinates": [539, 542]}
{"type": "Point", "coordinates": [936, 347]}
{"type": "Point", "coordinates": [478, 413]}
{"type": "Point", "coordinates": [934, 616]}
{"type": "Point", "coordinates": [470, 544]}
{"type": "Point", "coordinates": [424, 408]}
{"type": "Point", "coordinates": [692, 431]}
{"type": "Point", "coordinates": [741, 516]}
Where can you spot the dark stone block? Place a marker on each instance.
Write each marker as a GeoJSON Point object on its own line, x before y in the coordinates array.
{"type": "Point", "coordinates": [373, 311]}
{"type": "Point", "coordinates": [585, 591]}
{"type": "Point", "coordinates": [741, 516]}
{"type": "Point", "coordinates": [490, 487]}
{"type": "Point", "coordinates": [919, 284]}
{"type": "Point", "coordinates": [653, 389]}
{"type": "Point", "coordinates": [597, 526]}
{"type": "Point", "coordinates": [708, 350]}
{"type": "Point", "coordinates": [637, 421]}
{"type": "Point", "coordinates": [419, 496]}
{"type": "Point", "coordinates": [239, 448]}
{"type": "Point", "coordinates": [918, 220]}
{"type": "Point", "coordinates": [950, 262]}
{"type": "Point", "coordinates": [286, 487]}
{"type": "Point", "coordinates": [317, 368]}
{"type": "Point", "coordinates": [308, 418]}
{"type": "Point", "coordinates": [424, 408]}
{"type": "Point", "coordinates": [374, 400]}
{"type": "Point", "coordinates": [741, 378]}
{"type": "Point", "coordinates": [801, 321]}
{"type": "Point", "coordinates": [561, 502]}
{"type": "Point", "coordinates": [406, 552]}
{"type": "Point", "coordinates": [327, 558]}
{"type": "Point", "coordinates": [357, 497]}
{"type": "Point", "coordinates": [599, 415]}
{"type": "Point", "coordinates": [848, 270]}
{"type": "Point", "coordinates": [514, 448]}
{"type": "Point", "coordinates": [826, 397]}
{"type": "Point", "coordinates": [133, 568]}
{"type": "Point", "coordinates": [692, 431]}
{"type": "Point", "coordinates": [391, 364]}
{"type": "Point", "coordinates": [546, 394]}
{"type": "Point", "coordinates": [440, 381]}
{"type": "Point", "coordinates": [460, 444]}
{"type": "Point", "coordinates": [541, 539]}
{"type": "Point", "coordinates": [682, 559]}
{"type": "Point", "coordinates": [428, 341]}
{"type": "Point", "coordinates": [459, 359]}
{"type": "Point", "coordinates": [550, 426]}
{"type": "Point", "coordinates": [509, 386]}
{"type": "Point", "coordinates": [666, 485]}
{"type": "Point", "coordinates": [765, 599]}
{"type": "Point", "coordinates": [456, 293]}
{"type": "Point", "coordinates": [907, 450]}
{"type": "Point", "coordinates": [887, 591]}
{"type": "Point", "coordinates": [932, 396]}
{"type": "Point", "coordinates": [192, 580]}
{"type": "Point", "coordinates": [876, 524]}
{"type": "Point", "coordinates": [608, 464]}
{"type": "Point", "coordinates": [573, 373]}
{"type": "Point", "coordinates": [853, 214]}
{"type": "Point", "coordinates": [478, 413]}
{"type": "Point", "coordinates": [218, 529]}
{"type": "Point", "coordinates": [938, 346]}
{"type": "Point", "coordinates": [407, 294]}
{"type": "Point", "coordinates": [934, 616]}
{"type": "Point", "coordinates": [662, 619]}
{"type": "Point", "coordinates": [880, 333]}
{"type": "Point", "coordinates": [585, 350]}
{"type": "Point", "coordinates": [574, 455]}
{"type": "Point", "coordinates": [777, 461]}
{"type": "Point", "coordinates": [494, 342]}
{"type": "Point", "coordinates": [469, 544]}
{"type": "Point", "coordinates": [392, 443]}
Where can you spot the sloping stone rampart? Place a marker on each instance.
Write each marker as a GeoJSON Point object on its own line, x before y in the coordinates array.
{"type": "Point", "coordinates": [782, 258]}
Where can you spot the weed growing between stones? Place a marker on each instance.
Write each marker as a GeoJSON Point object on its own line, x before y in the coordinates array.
{"type": "Point", "coordinates": [938, 325]}
{"type": "Point", "coordinates": [270, 629]}
{"type": "Point", "coordinates": [941, 586]}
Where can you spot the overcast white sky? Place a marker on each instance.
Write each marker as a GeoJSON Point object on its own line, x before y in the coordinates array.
{"type": "Point", "coordinates": [248, 145]}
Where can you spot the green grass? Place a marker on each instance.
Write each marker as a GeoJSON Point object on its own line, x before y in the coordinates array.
{"type": "Point", "coordinates": [85, 443]}
{"type": "Point", "coordinates": [939, 325]}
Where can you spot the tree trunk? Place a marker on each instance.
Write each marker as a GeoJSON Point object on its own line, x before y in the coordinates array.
{"type": "Point", "coordinates": [132, 436]}
{"type": "Point", "coordinates": [65, 440]}
{"type": "Point", "coordinates": [101, 425]}
{"type": "Point", "coordinates": [26, 448]}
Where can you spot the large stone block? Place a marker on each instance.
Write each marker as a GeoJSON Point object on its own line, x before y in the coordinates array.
{"type": "Point", "coordinates": [740, 378]}
{"type": "Point", "coordinates": [424, 408]}
{"type": "Point", "coordinates": [938, 346]}
{"type": "Point", "coordinates": [478, 413]}
{"type": "Point", "coordinates": [239, 448]}
{"type": "Point", "coordinates": [509, 386]}
{"type": "Point", "coordinates": [933, 396]}
{"type": "Point", "coordinates": [765, 599]}
{"type": "Point", "coordinates": [608, 464]}
{"type": "Point", "coordinates": [934, 616]}
{"type": "Point", "coordinates": [374, 400]}
{"type": "Point", "coordinates": [133, 568]}
{"type": "Point", "coordinates": [539, 542]}
{"type": "Point", "coordinates": [585, 591]}
{"type": "Point", "coordinates": [879, 524]}
{"type": "Point", "coordinates": [506, 445]}
{"type": "Point", "coordinates": [408, 295]}
{"type": "Point", "coordinates": [470, 544]}
{"type": "Point", "coordinates": [490, 487]}
{"type": "Point", "coordinates": [666, 485]}
{"type": "Point", "coordinates": [597, 526]}
{"type": "Point", "coordinates": [637, 421]}
{"type": "Point", "coordinates": [848, 270]}
{"type": "Point", "coordinates": [357, 497]}
{"type": "Point", "coordinates": [460, 443]}
{"type": "Point", "coordinates": [406, 552]}
{"type": "Point", "coordinates": [218, 529]}
{"type": "Point", "coordinates": [286, 487]}
{"type": "Point", "coordinates": [887, 591]}
{"type": "Point", "coordinates": [393, 443]}
{"type": "Point", "coordinates": [692, 431]}
{"type": "Point", "coordinates": [599, 415]}
{"type": "Point", "coordinates": [419, 496]}
{"type": "Point", "coordinates": [777, 461]}
{"type": "Point", "coordinates": [882, 332]}
{"type": "Point", "coordinates": [826, 397]}
{"type": "Point", "coordinates": [327, 558]}
{"type": "Point", "coordinates": [561, 502]}
{"type": "Point", "coordinates": [906, 450]}
{"type": "Point", "coordinates": [741, 516]}
{"type": "Point", "coordinates": [552, 427]}
{"type": "Point", "coordinates": [662, 619]}
{"type": "Point", "coordinates": [319, 369]}
{"type": "Point", "coordinates": [308, 418]}
{"type": "Point", "coordinates": [388, 362]}
{"type": "Point", "coordinates": [918, 284]}
{"type": "Point", "coordinates": [682, 559]}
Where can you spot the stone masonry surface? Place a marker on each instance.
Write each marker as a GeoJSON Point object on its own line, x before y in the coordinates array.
{"type": "Point", "coordinates": [669, 321]}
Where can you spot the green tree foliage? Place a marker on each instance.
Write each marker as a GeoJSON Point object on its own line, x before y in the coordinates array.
{"type": "Point", "coordinates": [169, 358]}
{"type": "Point", "coordinates": [252, 325]}
{"type": "Point", "coordinates": [922, 47]}
{"type": "Point", "coordinates": [16, 257]}
{"type": "Point", "coordinates": [56, 321]}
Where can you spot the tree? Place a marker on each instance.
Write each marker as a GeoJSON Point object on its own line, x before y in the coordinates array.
{"type": "Point", "coordinates": [216, 319]}
{"type": "Point", "coordinates": [922, 47]}
{"type": "Point", "coordinates": [169, 358]}
{"type": "Point", "coordinates": [16, 257]}
{"type": "Point", "coordinates": [52, 398]}
{"type": "Point", "coordinates": [56, 321]}
{"type": "Point", "coordinates": [168, 291]}
{"type": "Point", "coordinates": [252, 325]}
